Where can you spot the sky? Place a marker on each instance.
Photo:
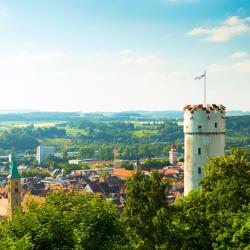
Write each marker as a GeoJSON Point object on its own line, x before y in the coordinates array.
{"type": "Point", "coordinates": [120, 55]}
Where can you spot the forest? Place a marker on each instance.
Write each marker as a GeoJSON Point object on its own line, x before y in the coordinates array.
{"type": "Point", "coordinates": [95, 139]}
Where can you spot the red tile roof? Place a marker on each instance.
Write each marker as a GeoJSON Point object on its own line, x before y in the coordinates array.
{"type": "Point", "coordinates": [121, 172]}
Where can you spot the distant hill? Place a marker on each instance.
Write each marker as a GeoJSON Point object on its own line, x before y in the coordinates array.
{"type": "Point", "coordinates": [25, 115]}
{"type": "Point", "coordinates": [237, 113]}
{"type": "Point", "coordinates": [39, 116]}
{"type": "Point", "coordinates": [169, 114]}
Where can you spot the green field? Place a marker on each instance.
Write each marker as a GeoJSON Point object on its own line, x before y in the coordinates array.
{"type": "Point", "coordinates": [144, 132]}
{"type": "Point", "coordinates": [74, 131]}
{"type": "Point", "coordinates": [59, 142]}
{"type": "Point", "coordinates": [21, 124]}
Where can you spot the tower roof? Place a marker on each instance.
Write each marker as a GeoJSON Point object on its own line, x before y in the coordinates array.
{"type": "Point", "coordinates": [13, 170]}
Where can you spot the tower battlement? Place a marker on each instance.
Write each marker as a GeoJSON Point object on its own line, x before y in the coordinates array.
{"type": "Point", "coordinates": [208, 108]}
{"type": "Point", "coordinates": [204, 119]}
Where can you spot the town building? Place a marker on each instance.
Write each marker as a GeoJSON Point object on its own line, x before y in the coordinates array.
{"type": "Point", "coordinates": [173, 155]}
{"type": "Point", "coordinates": [43, 152]}
{"type": "Point", "coordinates": [204, 129]}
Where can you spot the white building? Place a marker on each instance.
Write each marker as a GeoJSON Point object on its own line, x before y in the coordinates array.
{"type": "Point", "coordinates": [43, 152]}
{"type": "Point", "coordinates": [204, 129]}
{"type": "Point", "coordinates": [76, 161]}
{"type": "Point", "coordinates": [173, 155]}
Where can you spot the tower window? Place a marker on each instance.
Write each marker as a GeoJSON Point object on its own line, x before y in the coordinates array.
{"type": "Point", "coordinates": [16, 190]}
{"type": "Point", "coordinates": [199, 170]}
{"type": "Point", "coordinates": [199, 151]}
{"type": "Point", "coordinates": [215, 125]}
{"type": "Point", "coordinates": [199, 126]}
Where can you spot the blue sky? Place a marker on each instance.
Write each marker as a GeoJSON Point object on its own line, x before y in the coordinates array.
{"type": "Point", "coordinates": [114, 55]}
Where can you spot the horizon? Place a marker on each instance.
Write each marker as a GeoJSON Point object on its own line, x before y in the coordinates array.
{"type": "Point", "coordinates": [106, 56]}
{"type": "Point", "coordinates": [6, 112]}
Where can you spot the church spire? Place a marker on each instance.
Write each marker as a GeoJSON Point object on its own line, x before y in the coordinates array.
{"type": "Point", "coordinates": [13, 169]}
{"type": "Point", "coordinates": [14, 189]}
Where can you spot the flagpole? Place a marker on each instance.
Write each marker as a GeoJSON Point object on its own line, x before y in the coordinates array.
{"type": "Point", "coordinates": [205, 76]}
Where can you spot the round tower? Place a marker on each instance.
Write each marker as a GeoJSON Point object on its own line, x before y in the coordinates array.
{"type": "Point", "coordinates": [173, 155]}
{"type": "Point", "coordinates": [204, 129]}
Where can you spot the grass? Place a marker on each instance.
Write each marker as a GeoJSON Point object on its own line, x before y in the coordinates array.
{"type": "Point", "coordinates": [144, 132]}
{"type": "Point", "coordinates": [74, 131]}
{"type": "Point", "coordinates": [37, 124]}
{"type": "Point", "coordinates": [6, 125]}
{"type": "Point", "coordinates": [60, 142]}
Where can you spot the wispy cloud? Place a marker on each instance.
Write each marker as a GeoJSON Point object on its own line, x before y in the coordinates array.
{"type": "Point", "coordinates": [125, 51]}
{"type": "Point", "coordinates": [231, 27]}
{"type": "Point", "coordinates": [239, 67]}
{"type": "Point", "coordinates": [31, 58]}
{"type": "Point", "coordinates": [142, 60]}
{"type": "Point", "coordinates": [239, 55]}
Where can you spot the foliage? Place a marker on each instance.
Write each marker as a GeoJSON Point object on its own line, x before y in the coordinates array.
{"type": "Point", "coordinates": [35, 172]}
{"type": "Point", "coordinates": [127, 165]}
{"type": "Point", "coordinates": [146, 213]}
{"type": "Point", "coordinates": [238, 130]}
{"type": "Point", "coordinates": [21, 139]}
{"type": "Point", "coordinates": [18, 140]}
{"type": "Point", "coordinates": [126, 132]}
{"type": "Point", "coordinates": [155, 163]}
{"type": "Point", "coordinates": [227, 192]}
{"type": "Point", "coordinates": [66, 221]}
{"type": "Point", "coordinates": [215, 218]}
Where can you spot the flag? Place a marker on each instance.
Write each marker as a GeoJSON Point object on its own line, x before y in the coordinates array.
{"type": "Point", "coordinates": [200, 77]}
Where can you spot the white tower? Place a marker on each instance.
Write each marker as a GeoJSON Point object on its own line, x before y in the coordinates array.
{"type": "Point", "coordinates": [173, 155]}
{"type": "Point", "coordinates": [204, 129]}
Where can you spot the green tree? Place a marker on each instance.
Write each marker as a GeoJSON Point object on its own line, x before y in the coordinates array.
{"type": "Point", "coordinates": [226, 189]}
{"type": "Point", "coordinates": [65, 221]}
{"type": "Point", "coordinates": [146, 214]}
{"type": "Point", "coordinates": [217, 216]}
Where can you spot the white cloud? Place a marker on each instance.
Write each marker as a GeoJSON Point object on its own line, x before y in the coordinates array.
{"type": "Point", "coordinates": [126, 51]}
{"type": "Point", "coordinates": [233, 26]}
{"type": "Point", "coordinates": [243, 66]}
{"type": "Point", "coordinates": [142, 60]}
{"type": "Point", "coordinates": [240, 67]}
{"type": "Point", "coordinates": [218, 67]}
{"type": "Point", "coordinates": [239, 55]}
{"type": "Point", "coordinates": [33, 58]}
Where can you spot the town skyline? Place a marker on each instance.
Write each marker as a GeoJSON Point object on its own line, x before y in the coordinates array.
{"type": "Point", "coordinates": [101, 56]}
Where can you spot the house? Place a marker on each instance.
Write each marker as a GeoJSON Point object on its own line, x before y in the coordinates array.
{"type": "Point", "coordinates": [123, 173]}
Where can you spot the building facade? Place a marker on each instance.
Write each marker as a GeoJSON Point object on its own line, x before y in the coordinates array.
{"type": "Point", "coordinates": [204, 130]}
{"type": "Point", "coordinates": [14, 189]}
{"type": "Point", "coordinates": [43, 152]}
